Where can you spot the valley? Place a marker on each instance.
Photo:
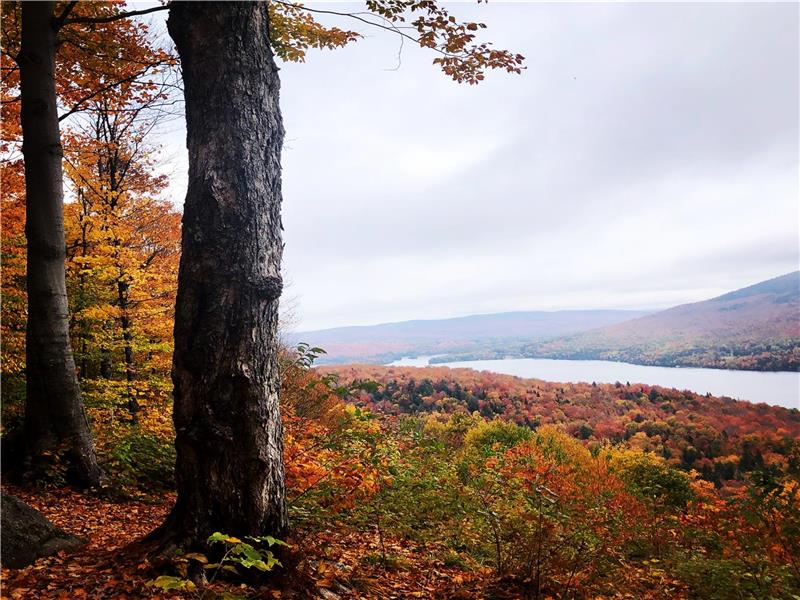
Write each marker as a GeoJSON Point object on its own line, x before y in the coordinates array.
{"type": "Point", "coordinates": [755, 328]}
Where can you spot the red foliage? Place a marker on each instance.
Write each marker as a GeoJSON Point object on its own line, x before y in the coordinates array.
{"type": "Point", "coordinates": [717, 436]}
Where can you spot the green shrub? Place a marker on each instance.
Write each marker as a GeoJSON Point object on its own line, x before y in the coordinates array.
{"type": "Point", "coordinates": [489, 434]}
{"type": "Point", "coordinates": [721, 579]}
{"type": "Point", "coordinates": [648, 476]}
{"type": "Point", "coordinates": [141, 460]}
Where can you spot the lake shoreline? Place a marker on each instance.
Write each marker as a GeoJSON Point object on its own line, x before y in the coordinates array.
{"type": "Point", "coordinates": [775, 388]}
{"type": "Point", "coordinates": [435, 363]}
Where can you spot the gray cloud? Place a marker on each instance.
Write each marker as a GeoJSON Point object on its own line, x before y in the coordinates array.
{"type": "Point", "coordinates": [647, 156]}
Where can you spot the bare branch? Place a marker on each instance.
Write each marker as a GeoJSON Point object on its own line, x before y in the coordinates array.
{"type": "Point", "coordinates": [76, 107]}
{"type": "Point", "coordinates": [116, 17]}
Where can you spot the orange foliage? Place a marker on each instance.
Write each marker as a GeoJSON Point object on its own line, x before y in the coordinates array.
{"type": "Point", "coordinates": [689, 430]}
{"type": "Point", "coordinates": [14, 298]}
{"type": "Point", "coordinates": [326, 447]}
{"type": "Point", "coordinates": [122, 240]}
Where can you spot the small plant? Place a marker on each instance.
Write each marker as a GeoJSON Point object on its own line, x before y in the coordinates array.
{"type": "Point", "coordinates": [236, 554]}
{"type": "Point", "coordinates": [169, 583]}
{"type": "Point", "coordinates": [305, 355]}
{"type": "Point", "coordinates": [241, 553]}
{"type": "Point", "coordinates": [140, 460]}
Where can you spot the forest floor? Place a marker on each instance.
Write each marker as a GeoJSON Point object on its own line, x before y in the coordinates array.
{"type": "Point", "coordinates": [329, 564]}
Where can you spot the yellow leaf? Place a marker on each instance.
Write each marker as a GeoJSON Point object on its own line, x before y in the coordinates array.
{"type": "Point", "coordinates": [201, 558]}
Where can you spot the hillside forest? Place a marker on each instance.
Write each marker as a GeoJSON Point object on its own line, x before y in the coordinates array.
{"type": "Point", "coordinates": [174, 448]}
{"type": "Point", "coordinates": [753, 328]}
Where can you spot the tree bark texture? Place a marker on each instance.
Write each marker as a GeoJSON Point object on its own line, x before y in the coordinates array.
{"type": "Point", "coordinates": [229, 443]}
{"type": "Point", "coordinates": [55, 420]}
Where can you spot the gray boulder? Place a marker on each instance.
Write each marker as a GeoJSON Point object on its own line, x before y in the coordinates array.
{"type": "Point", "coordinates": [25, 534]}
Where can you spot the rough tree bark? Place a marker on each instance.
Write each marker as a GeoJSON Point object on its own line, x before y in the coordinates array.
{"type": "Point", "coordinates": [229, 443]}
{"type": "Point", "coordinates": [55, 420]}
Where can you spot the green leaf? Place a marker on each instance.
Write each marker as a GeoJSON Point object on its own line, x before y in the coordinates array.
{"type": "Point", "coordinates": [271, 541]}
{"type": "Point", "coordinates": [272, 561]}
{"type": "Point", "coordinates": [216, 537]}
{"type": "Point", "coordinates": [260, 565]}
{"type": "Point", "coordinates": [222, 537]}
{"type": "Point", "coordinates": [250, 552]}
{"type": "Point", "coordinates": [165, 582]}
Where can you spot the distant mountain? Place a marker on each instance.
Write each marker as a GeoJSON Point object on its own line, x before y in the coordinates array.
{"type": "Point", "coordinates": [476, 334]}
{"type": "Point", "coordinates": [757, 327]}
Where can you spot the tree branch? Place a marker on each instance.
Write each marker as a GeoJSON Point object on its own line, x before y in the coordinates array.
{"type": "Point", "coordinates": [58, 22]}
{"type": "Point", "coordinates": [392, 28]}
{"type": "Point", "coordinates": [117, 17]}
{"type": "Point", "coordinates": [76, 107]}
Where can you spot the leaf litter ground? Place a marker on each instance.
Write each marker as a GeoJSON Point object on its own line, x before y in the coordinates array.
{"type": "Point", "coordinates": [331, 564]}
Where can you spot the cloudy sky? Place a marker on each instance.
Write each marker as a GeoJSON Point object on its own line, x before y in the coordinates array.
{"type": "Point", "coordinates": [648, 156]}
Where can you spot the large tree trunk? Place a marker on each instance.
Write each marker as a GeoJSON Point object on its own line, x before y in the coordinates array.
{"type": "Point", "coordinates": [229, 443]}
{"type": "Point", "coordinates": [55, 420]}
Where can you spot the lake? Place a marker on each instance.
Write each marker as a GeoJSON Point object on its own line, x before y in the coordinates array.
{"type": "Point", "coordinates": [777, 388]}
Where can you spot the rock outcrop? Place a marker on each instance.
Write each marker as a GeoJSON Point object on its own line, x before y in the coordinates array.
{"type": "Point", "coordinates": [25, 534]}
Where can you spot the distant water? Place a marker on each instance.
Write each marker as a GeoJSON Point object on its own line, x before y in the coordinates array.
{"type": "Point", "coordinates": [777, 388]}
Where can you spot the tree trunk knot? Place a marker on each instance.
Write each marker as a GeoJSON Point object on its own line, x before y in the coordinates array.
{"type": "Point", "coordinates": [269, 288]}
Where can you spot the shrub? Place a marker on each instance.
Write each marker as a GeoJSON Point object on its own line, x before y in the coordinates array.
{"type": "Point", "coordinates": [496, 434]}
{"type": "Point", "coordinates": [141, 460]}
{"type": "Point", "coordinates": [648, 476]}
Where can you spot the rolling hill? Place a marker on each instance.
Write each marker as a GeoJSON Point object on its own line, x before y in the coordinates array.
{"type": "Point", "coordinates": [505, 332]}
{"type": "Point", "coordinates": [757, 327]}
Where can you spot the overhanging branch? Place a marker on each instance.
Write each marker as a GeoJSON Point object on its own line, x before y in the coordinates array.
{"type": "Point", "coordinates": [357, 17]}
{"type": "Point", "coordinates": [116, 17]}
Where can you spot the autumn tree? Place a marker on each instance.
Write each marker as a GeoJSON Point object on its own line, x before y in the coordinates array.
{"type": "Point", "coordinates": [54, 412]}
{"type": "Point", "coordinates": [122, 246]}
{"type": "Point", "coordinates": [94, 57]}
{"type": "Point", "coordinates": [12, 222]}
{"type": "Point", "coordinates": [229, 438]}
{"type": "Point", "coordinates": [225, 370]}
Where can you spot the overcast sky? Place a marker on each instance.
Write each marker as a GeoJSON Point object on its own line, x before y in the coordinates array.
{"type": "Point", "coordinates": [648, 156]}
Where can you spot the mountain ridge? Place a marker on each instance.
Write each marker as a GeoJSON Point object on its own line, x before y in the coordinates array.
{"type": "Point", "coordinates": [385, 342]}
{"type": "Point", "coordinates": [756, 327]}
